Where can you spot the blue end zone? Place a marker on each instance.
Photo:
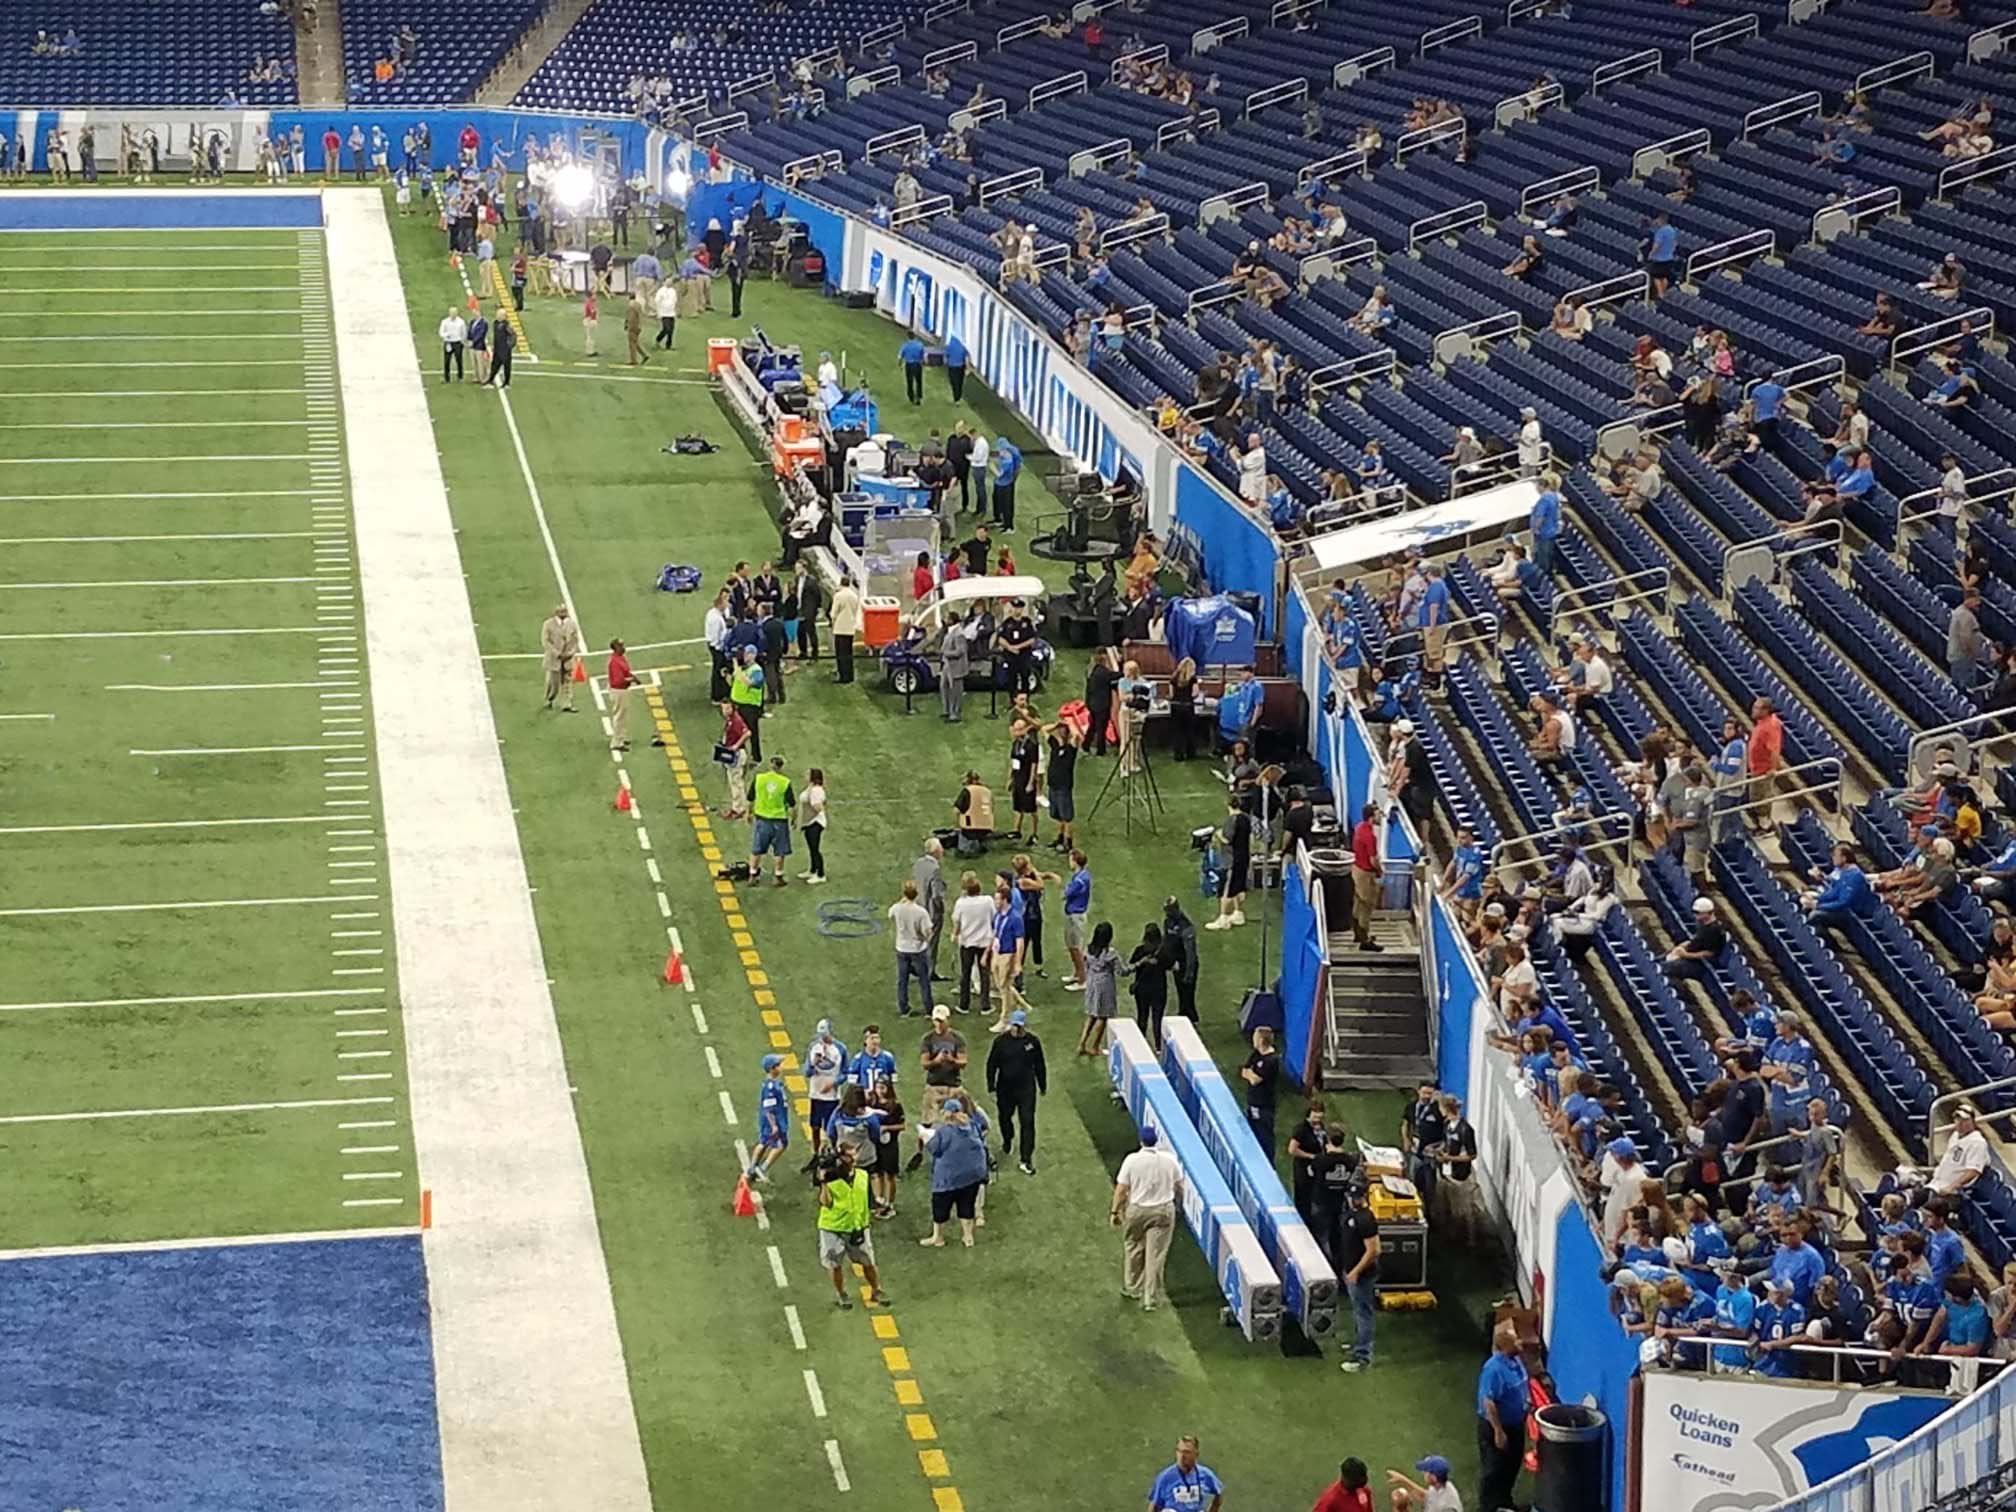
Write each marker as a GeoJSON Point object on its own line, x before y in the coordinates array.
{"type": "Point", "coordinates": [253, 1378]}
{"type": "Point", "coordinates": [124, 211]}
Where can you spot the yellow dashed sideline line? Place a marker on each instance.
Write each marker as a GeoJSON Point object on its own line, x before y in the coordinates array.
{"type": "Point", "coordinates": [500, 286]}
{"type": "Point", "coordinates": [908, 1391]}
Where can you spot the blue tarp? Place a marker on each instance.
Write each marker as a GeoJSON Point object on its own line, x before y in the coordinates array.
{"type": "Point", "coordinates": [1213, 632]}
{"type": "Point", "coordinates": [1301, 976]}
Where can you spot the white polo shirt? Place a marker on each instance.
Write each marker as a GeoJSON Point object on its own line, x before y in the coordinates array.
{"type": "Point", "coordinates": [1151, 1178]}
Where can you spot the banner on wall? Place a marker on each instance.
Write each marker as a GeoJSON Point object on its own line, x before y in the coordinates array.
{"type": "Point", "coordinates": [1727, 1443]}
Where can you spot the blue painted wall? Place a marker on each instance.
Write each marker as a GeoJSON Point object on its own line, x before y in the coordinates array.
{"type": "Point", "coordinates": [1238, 555]}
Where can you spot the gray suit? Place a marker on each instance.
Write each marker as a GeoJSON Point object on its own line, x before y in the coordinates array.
{"type": "Point", "coordinates": [930, 880]}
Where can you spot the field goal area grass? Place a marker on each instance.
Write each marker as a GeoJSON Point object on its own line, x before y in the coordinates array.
{"type": "Point", "coordinates": [200, 1026]}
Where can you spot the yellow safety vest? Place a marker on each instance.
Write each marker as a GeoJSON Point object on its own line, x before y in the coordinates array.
{"type": "Point", "coordinates": [770, 790]}
{"type": "Point", "coordinates": [742, 691]}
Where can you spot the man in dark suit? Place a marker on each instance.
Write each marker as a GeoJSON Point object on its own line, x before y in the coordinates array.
{"type": "Point", "coordinates": [802, 602]}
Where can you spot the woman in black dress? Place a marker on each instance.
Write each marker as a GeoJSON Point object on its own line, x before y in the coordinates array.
{"type": "Point", "coordinates": [1024, 756]}
{"type": "Point", "coordinates": [1183, 708]}
{"type": "Point", "coordinates": [1237, 829]}
{"type": "Point", "coordinates": [1149, 967]}
{"type": "Point", "coordinates": [1099, 685]}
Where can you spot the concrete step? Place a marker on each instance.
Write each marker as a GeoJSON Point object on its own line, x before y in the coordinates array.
{"type": "Point", "coordinates": [1376, 1070]}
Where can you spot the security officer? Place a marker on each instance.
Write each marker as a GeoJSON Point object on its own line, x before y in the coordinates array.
{"type": "Point", "coordinates": [1016, 640]}
{"type": "Point", "coordinates": [911, 354]}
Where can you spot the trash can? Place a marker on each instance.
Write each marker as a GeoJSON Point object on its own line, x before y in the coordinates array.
{"type": "Point", "coordinates": [1333, 866]}
{"type": "Point", "coordinates": [1573, 1440]}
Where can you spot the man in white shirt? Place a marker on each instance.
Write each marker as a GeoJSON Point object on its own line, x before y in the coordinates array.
{"type": "Point", "coordinates": [714, 630]}
{"type": "Point", "coordinates": [976, 467]}
{"type": "Point", "coordinates": [973, 933]}
{"type": "Point", "coordinates": [665, 305]}
{"type": "Point", "coordinates": [454, 337]}
{"type": "Point", "coordinates": [1952, 488]}
{"type": "Point", "coordinates": [1965, 1158]}
{"type": "Point", "coordinates": [1532, 447]}
{"type": "Point", "coordinates": [1253, 470]}
{"type": "Point", "coordinates": [910, 924]}
{"type": "Point", "coordinates": [1623, 1179]}
{"type": "Point", "coordinates": [845, 617]}
{"type": "Point", "coordinates": [1144, 1210]}
{"type": "Point", "coordinates": [829, 370]}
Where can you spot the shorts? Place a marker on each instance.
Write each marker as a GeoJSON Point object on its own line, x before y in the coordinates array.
{"type": "Point", "coordinates": [963, 1201]}
{"type": "Point", "coordinates": [772, 837]}
{"type": "Point", "coordinates": [1074, 931]}
{"type": "Point", "coordinates": [1235, 879]}
{"type": "Point", "coordinates": [888, 1158]}
{"type": "Point", "coordinates": [835, 1251]}
{"type": "Point", "coordinates": [1062, 807]}
{"type": "Point", "coordinates": [1664, 269]}
{"type": "Point", "coordinates": [821, 1112]}
{"type": "Point", "coordinates": [1025, 800]}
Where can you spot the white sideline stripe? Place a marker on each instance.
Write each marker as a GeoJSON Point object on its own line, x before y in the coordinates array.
{"type": "Point", "coordinates": [210, 997]}
{"type": "Point", "coordinates": [777, 1268]}
{"type": "Point", "coordinates": [205, 687]}
{"type": "Point", "coordinates": [235, 535]}
{"type": "Point", "coordinates": [195, 1112]}
{"type": "Point", "coordinates": [286, 362]}
{"type": "Point", "coordinates": [151, 461]}
{"type": "Point", "coordinates": [188, 906]}
{"type": "Point", "coordinates": [791, 1321]}
{"type": "Point", "coordinates": [375, 1202]}
{"type": "Point", "coordinates": [494, 1121]}
{"type": "Point", "coordinates": [163, 583]}
{"type": "Point", "coordinates": [840, 1481]}
{"type": "Point", "coordinates": [133, 336]}
{"type": "Point", "coordinates": [244, 750]}
{"type": "Point", "coordinates": [816, 1396]}
{"type": "Point", "coordinates": [152, 634]}
{"type": "Point", "coordinates": [164, 824]}
{"type": "Point", "coordinates": [547, 372]}
{"type": "Point", "coordinates": [156, 314]}
{"type": "Point", "coordinates": [696, 640]}
{"type": "Point", "coordinates": [27, 716]}
{"type": "Point", "coordinates": [219, 1241]}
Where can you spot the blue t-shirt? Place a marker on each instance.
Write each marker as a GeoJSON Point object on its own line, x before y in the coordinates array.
{"type": "Point", "coordinates": [1706, 1242]}
{"type": "Point", "coordinates": [1944, 1252]}
{"type": "Point", "coordinates": [1773, 1324]}
{"type": "Point", "coordinates": [1785, 1199]}
{"type": "Point", "coordinates": [1735, 1311]}
{"type": "Point", "coordinates": [1007, 930]}
{"type": "Point", "coordinates": [1469, 864]}
{"type": "Point", "coordinates": [1435, 603]}
{"type": "Point", "coordinates": [1546, 518]}
{"type": "Point", "coordinates": [1503, 1380]}
{"type": "Point", "coordinates": [870, 1066]}
{"type": "Point", "coordinates": [1761, 1027]}
{"type": "Point", "coordinates": [1730, 762]}
{"type": "Point", "coordinates": [1803, 1267]}
{"type": "Point", "coordinates": [773, 1113]}
{"type": "Point", "coordinates": [911, 353]}
{"type": "Point", "coordinates": [1856, 483]}
{"type": "Point", "coordinates": [1548, 1014]}
{"type": "Point", "coordinates": [1665, 242]}
{"type": "Point", "coordinates": [1239, 707]}
{"type": "Point", "coordinates": [955, 353]}
{"type": "Point", "coordinates": [1178, 1490]}
{"type": "Point", "coordinates": [1078, 891]}
{"type": "Point", "coordinates": [1343, 634]}
{"type": "Point", "coordinates": [1847, 890]}
{"type": "Point", "coordinates": [1766, 397]}
{"type": "Point", "coordinates": [1967, 1322]}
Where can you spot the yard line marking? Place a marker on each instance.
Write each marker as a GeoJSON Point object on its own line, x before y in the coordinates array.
{"type": "Point", "coordinates": [358, 971]}
{"type": "Point", "coordinates": [202, 903]}
{"type": "Point", "coordinates": [369, 1150]}
{"type": "Point", "coordinates": [196, 393]}
{"type": "Point", "coordinates": [359, 1076]}
{"type": "Point", "coordinates": [727, 1109]}
{"type": "Point", "coordinates": [205, 687]}
{"type": "Point", "coordinates": [27, 716]}
{"type": "Point", "coordinates": [150, 461]}
{"type": "Point", "coordinates": [376, 1202]}
{"type": "Point", "coordinates": [840, 1481]}
{"type": "Point", "coordinates": [152, 634]}
{"type": "Point", "coordinates": [797, 1328]}
{"type": "Point", "coordinates": [132, 336]}
{"type": "Point", "coordinates": [164, 824]}
{"type": "Point", "coordinates": [374, 1175]}
{"type": "Point", "coordinates": [211, 997]}
{"type": "Point", "coordinates": [362, 1033]}
{"type": "Point", "coordinates": [235, 535]}
{"type": "Point", "coordinates": [812, 1390]}
{"type": "Point", "coordinates": [356, 934]}
{"type": "Point", "coordinates": [162, 583]}
{"type": "Point", "coordinates": [225, 1241]}
{"type": "Point", "coordinates": [368, 915]}
{"type": "Point", "coordinates": [363, 1054]}
{"type": "Point", "coordinates": [699, 1019]}
{"type": "Point", "coordinates": [286, 362]}
{"type": "Point", "coordinates": [651, 865]}
{"type": "Point", "coordinates": [777, 1267]}
{"type": "Point", "coordinates": [713, 1063]}
{"type": "Point", "coordinates": [371, 1123]}
{"type": "Point", "coordinates": [155, 314]}
{"type": "Point", "coordinates": [665, 908]}
{"type": "Point", "coordinates": [194, 1112]}
{"type": "Point", "coordinates": [351, 745]}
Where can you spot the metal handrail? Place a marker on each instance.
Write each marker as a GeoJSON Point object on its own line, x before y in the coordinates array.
{"type": "Point", "coordinates": [1506, 323]}
{"type": "Point", "coordinates": [1678, 1169]}
{"type": "Point", "coordinates": [1323, 169]}
{"type": "Point", "coordinates": [1978, 322]}
{"type": "Point", "coordinates": [1362, 65]}
{"type": "Point", "coordinates": [1831, 220]}
{"type": "Point", "coordinates": [1286, 9]}
{"type": "Point", "coordinates": [1574, 181]}
{"type": "Point", "coordinates": [1071, 83]}
{"type": "Point", "coordinates": [1456, 31]}
{"type": "Point", "coordinates": [1207, 37]}
{"type": "Point", "coordinates": [1653, 156]}
{"type": "Point", "coordinates": [1004, 185]}
{"type": "Point", "coordinates": [957, 52]}
{"type": "Point", "coordinates": [1227, 206]}
{"type": "Point", "coordinates": [1819, 372]}
{"type": "Point", "coordinates": [1636, 284]}
{"type": "Point", "coordinates": [972, 117]}
{"type": "Point", "coordinates": [1222, 292]}
{"type": "Point", "coordinates": [944, 8]}
{"type": "Point", "coordinates": [1159, 53]}
{"type": "Point", "coordinates": [754, 83]}
{"type": "Point", "coordinates": [1492, 471]}
{"type": "Point", "coordinates": [1800, 540]}
{"type": "Point", "coordinates": [1657, 589]}
{"type": "Point", "coordinates": [1513, 109]}
{"type": "Point", "coordinates": [1514, 9]}
{"type": "Point", "coordinates": [1780, 794]}
{"type": "Point", "coordinates": [1651, 60]}
{"type": "Point", "coordinates": [1968, 1095]}
{"type": "Point", "coordinates": [812, 165]}
{"type": "Point", "coordinates": [921, 210]}
{"type": "Point", "coordinates": [1577, 831]}
{"type": "Point", "coordinates": [1272, 95]}
{"type": "Point", "coordinates": [876, 78]}
{"type": "Point", "coordinates": [1448, 222]}
{"type": "Point", "coordinates": [1917, 65]}
{"type": "Point", "coordinates": [1128, 232]}
{"type": "Point", "coordinates": [875, 36]}
{"type": "Point", "coordinates": [1626, 431]}
{"type": "Point", "coordinates": [1907, 516]}
{"type": "Point", "coordinates": [1990, 41]}
{"type": "Point", "coordinates": [820, 57]}
{"type": "Point", "coordinates": [1430, 136]}
{"type": "Point", "coordinates": [1967, 170]}
{"type": "Point", "coordinates": [903, 137]}
{"type": "Point", "coordinates": [1941, 736]}
{"type": "Point", "coordinates": [1318, 265]}
{"type": "Point", "coordinates": [1973, 1365]}
{"type": "Point", "coordinates": [1015, 31]}
{"type": "Point", "coordinates": [721, 125]}
{"type": "Point", "coordinates": [1188, 129]}
{"type": "Point", "coordinates": [1365, 365]}
{"type": "Point", "coordinates": [1762, 242]}
{"type": "Point", "coordinates": [1791, 108]}
{"type": "Point", "coordinates": [1735, 29]}
{"type": "Point", "coordinates": [1088, 159]}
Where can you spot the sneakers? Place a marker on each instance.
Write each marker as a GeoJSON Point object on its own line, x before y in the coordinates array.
{"type": "Point", "coordinates": [1072, 984]}
{"type": "Point", "coordinates": [1025, 1168]}
{"type": "Point", "coordinates": [844, 1302]}
{"type": "Point", "coordinates": [1238, 916]}
{"type": "Point", "coordinates": [1352, 1367]}
{"type": "Point", "coordinates": [818, 881]}
{"type": "Point", "coordinates": [804, 876]}
{"type": "Point", "coordinates": [1223, 921]}
{"type": "Point", "coordinates": [931, 1241]}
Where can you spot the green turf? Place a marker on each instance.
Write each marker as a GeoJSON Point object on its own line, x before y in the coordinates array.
{"type": "Point", "coordinates": [112, 496]}
{"type": "Point", "coordinates": [1043, 1388]}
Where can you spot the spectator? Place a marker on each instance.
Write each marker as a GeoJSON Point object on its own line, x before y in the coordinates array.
{"type": "Point", "coordinates": [1349, 1492]}
{"type": "Point", "coordinates": [1660, 251]}
{"type": "Point", "coordinates": [1961, 1328]}
{"type": "Point", "coordinates": [1016, 1077]}
{"type": "Point", "coordinates": [1967, 648]}
{"type": "Point", "coordinates": [1845, 893]}
{"type": "Point", "coordinates": [1693, 958]}
{"type": "Point", "coordinates": [1532, 444]}
{"type": "Point", "coordinates": [1948, 278]}
{"type": "Point", "coordinates": [1764, 758]}
{"type": "Point", "coordinates": [844, 1215]}
{"type": "Point", "coordinates": [1145, 1194]}
{"type": "Point", "coordinates": [958, 1151]}
{"type": "Point", "coordinates": [1965, 1158]}
{"type": "Point", "coordinates": [1433, 1493]}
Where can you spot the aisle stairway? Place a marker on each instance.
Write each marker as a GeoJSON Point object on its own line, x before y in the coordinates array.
{"type": "Point", "coordinates": [1376, 1032]}
{"type": "Point", "coordinates": [318, 49]}
{"type": "Point", "coordinates": [531, 50]}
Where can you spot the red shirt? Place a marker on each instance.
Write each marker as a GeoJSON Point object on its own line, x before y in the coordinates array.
{"type": "Point", "coordinates": [1767, 745]}
{"type": "Point", "coordinates": [1336, 1499]}
{"type": "Point", "coordinates": [1365, 846]}
{"type": "Point", "coordinates": [331, 142]}
{"type": "Point", "coordinates": [921, 582]}
{"type": "Point", "coordinates": [588, 310]}
{"type": "Point", "coordinates": [469, 138]}
{"type": "Point", "coordinates": [734, 730]}
{"type": "Point", "coordinates": [619, 673]}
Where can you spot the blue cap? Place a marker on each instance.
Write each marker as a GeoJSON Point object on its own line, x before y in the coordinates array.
{"type": "Point", "coordinates": [772, 1062]}
{"type": "Point", "coordinates": [1149, 1135]}
{"type": "Point", "coordinates": [1433, 1465]}
{"type": "Point", "coordinates": [953, 1105]}
{"type": "Point", "coordinates": [1623, 1149]}
{"type": "Point", "coordinates": [1584, 798]}
{"type": "Point", "coordinates": [1018, 1017]}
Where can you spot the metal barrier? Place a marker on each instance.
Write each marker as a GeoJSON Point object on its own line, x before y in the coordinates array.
{"type": "Point", "coordinates": [1513, 109]}
{"type": "Point", "coordinates": [1207, 37]}
{"type": "Point", "coordinates": [1022, 181]}
{"type": "Point", "coordinates": [721, 125]}
{"type": "Point", "coordinates": [1654, 156]}
{"type": "Point", "coordinates": [1760, 558]}
{"type": "Point", "coordinates": [1051, 255]}
{"type": "Point", "coordinates": [1967, 170]}
{"type": "Point", "coordinates": [1325, 169]}
{"type": "Point", "coordinates": [1778, 112]}
{"type": "Point", "coordinates": [1828, 782]}
{"type": "Point", "coordinates": [689, 107]}
{"type": "Point", "coordinates": [1574, 181]}
{"type": "Point", "coordinates": [1188, 129]}
{"type": "Point", "coordinates": [1970, 1369]}
{"type": "Point", "coordinates": [1759, 243]}
{"type": "Point", "coordinates": [1361, 66]}
{"type": "Point", "coordinates": [1455, 31]}
{"type": "Point", "coordinates": [1015, 31]}
{"type": "Point", "coordinates": [1228, 205]}
{"type": "Point", "coordinates": [811, 166]}
{"type": "Point", "coordinates": [1651, 60]}
{"type": "Point", "coordinates": [1652, 586]}
{"type": "Point", "coordinates": [824, 57]}
{"type": "Point", "coordinates": [876, 78]}
{"type": "Point", "coordinates": [1321, 265]}
{"type": "Point", "coordinates": [876, 36]}
{"type": "Point", "coordinates": [1128, 232]}
{"type": "Point", "coordinates": [1447, 222]}
{"type": "Point", "coordinates": [1968, 1095]}
{"type": "Point", "coordinates": [1222, 292]}
{"type": "Point", "coordinates": [1516, 9]}
{"type": "Point", "coordinates": [900, 140]}
{"type": "Point", "coordinates": [1091, 159]}
{"type": "Point", "coordinates": [942, 9]}
{"type": "Point", "coordinates": [1288, 10]}
{"type": "Point", "coordinates": [1055, 89]}
{"type": "Point", "coordinates": [2003, 479]}
{"type": "Point", "coordinates": [1735, 29]}
{"type": "Point", "coordinates": [1637, 284]}
{"type": "Point", "coordinates": [1624, 434]}
{"type": "Point", "coordinates": [1819, 372]}
{"type": "Point", "coordinates": [957, 52]}
{"type": "Point", "coordinates": [1941, 737]}
{"type": "Point", "coordinates": [1844, 216]}
{"type": "Point", "coordinates": [1991, 42]}
{"type": "Point", "coordinates": [1274, 94]}
{"type": "Point", "coordinates": [1541, 841]}
{"type": "Point", "coordinates": [1353, 369]}
{"type": "Point", "coordinates": [1138, 317]}
{"type": "Point", "coordinates": [1468, 339]}
{"type": "Point", "coordinates": [1917, 65]}
{"type": "Point", "coordinates": [753, 84]}
{"type": "Point", "coordinates": [1147, 57]}
{"type": "Point", "coordinates": [921, 210]}
{"type": "Point", "coordinates": [972, 117]}
{"type": "Point", "coordinates": [1430, 136]}
{"type": "Point", "coordinates": [1916, 342]}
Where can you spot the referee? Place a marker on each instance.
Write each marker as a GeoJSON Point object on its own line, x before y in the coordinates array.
{"type": "Point", "coordinates": [1501, 1420]}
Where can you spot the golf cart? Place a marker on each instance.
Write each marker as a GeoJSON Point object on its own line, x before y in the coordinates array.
{"type": "Point", "coordinates": [976, 606]}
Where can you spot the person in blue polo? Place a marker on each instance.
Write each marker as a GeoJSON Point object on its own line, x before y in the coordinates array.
{"type": "Point", "coordinates": [1766, 400]}
{"type": "Point", "coordinates": [911, 354]}
{"type": "Point", "coordinates": [1662, 254]}
{"type": "Point", "coordinates": [773, 1119]}
{"type": "Point", "coordinates": [955, 367]}
{"type": "Point", "coordinates": [1501, 1420]}
{"type": "Point", "coordinates": [1239, 708]}
{"type": "Point", "coordinates": [1545, 523]}
{"type": "Point", "coordinates": [1186, 1486]}
{"type": "Point", "coordinates": [1007, 468]}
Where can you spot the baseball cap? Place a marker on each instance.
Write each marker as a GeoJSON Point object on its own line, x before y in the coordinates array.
{"type": "Point", "coordinates": [1704, 905]}
{"type": "Point", "coordinates": [825, 1026]}
{"type": "Point", "coordinates": [1018, 1017]}
{"type": "Point", "coordinates": [954, 1105]}
{"type": "Point", "coordinates": [1433, 1465]}
{"type": "Point", "coordinates": [1624, 1276]}
{"type": "Point", "coordinates": [1150, 1134]}
{"type": "Point", "coordinates": [1403, 726]}
{"type": "Point", "coordinates": [1965, 1110]}
{"type": "Point", "coordinates": [772, 1062]}
{"type": "Point", "coordinates": [1494, 910]}
{"type": "Point", "coordinates": [941, 1010]}
{"type": "Point", "coordinates": [1623, 1149]}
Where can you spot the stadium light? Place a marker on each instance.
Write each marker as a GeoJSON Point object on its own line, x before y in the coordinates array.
{"type": "Point", "coordinates": [679, 182]}
{"type": "Point", "coordinates": [574, 188]}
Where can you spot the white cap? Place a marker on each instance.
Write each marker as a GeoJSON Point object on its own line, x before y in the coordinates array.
{"type": "Point", "coordinates": [1403, 727]}
{"type": "Point", "coordinates": [1704, 905]}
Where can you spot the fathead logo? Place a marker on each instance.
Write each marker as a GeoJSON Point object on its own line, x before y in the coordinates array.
{"type": "Point", "coordinates": [1721, 1477]}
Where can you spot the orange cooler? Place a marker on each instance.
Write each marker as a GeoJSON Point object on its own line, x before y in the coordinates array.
{"type": "Point", "coordinates": [881, 621]}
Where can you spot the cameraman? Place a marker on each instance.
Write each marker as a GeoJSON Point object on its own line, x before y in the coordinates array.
{"type": "Point", "coordinates": [843, 1224]}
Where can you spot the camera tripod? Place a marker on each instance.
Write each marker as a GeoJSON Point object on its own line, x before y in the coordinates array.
{"type": "Point", "coordinates": [1135, 772]}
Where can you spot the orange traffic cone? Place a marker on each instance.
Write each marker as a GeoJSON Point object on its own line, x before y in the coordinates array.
{"type": "Point", "coordinates": [675, 968]}
{"type": "Point", "coordinates": [473, 305]}
{"type": "Point", "coordinates": [744, 1205]}
{"type": "Point", "coordinates": [622, 800]}
{"type": "Point", "coordinates": [580, 670]}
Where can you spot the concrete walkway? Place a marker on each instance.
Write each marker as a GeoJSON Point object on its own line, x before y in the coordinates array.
{"type": "Point", "coordinates": [534, 1398]}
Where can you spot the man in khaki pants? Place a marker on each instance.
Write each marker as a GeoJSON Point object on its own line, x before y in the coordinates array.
{"type": "Point", "coordinates": [559, 644]}
{"type": "Point", "coordinates": [1144, 1210]}
{"type": "Point", "coordinates": [1365, 876]}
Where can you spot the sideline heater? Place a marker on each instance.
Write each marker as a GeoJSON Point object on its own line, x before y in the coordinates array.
{"type": "Point", "coordinates": [1252, 1290]}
